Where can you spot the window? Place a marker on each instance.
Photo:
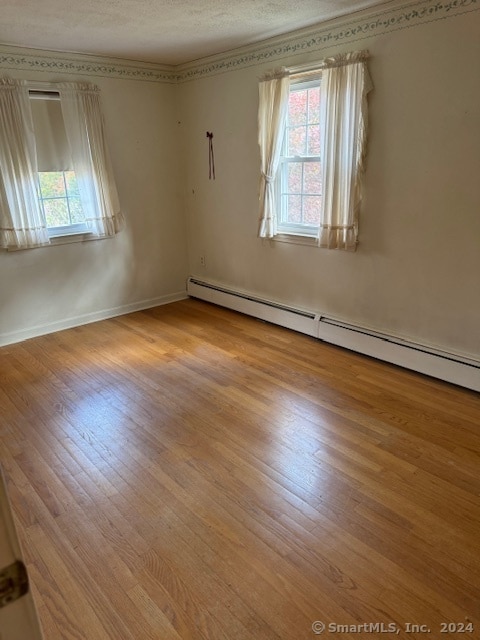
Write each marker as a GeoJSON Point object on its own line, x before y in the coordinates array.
{"type": "Point", "coordinates": [56, 177]}
{"type": "Point", "coordinates": [312, 136]}
{"type": "Point", "coordinates": [58, 191]}
{"type": "Point", "coordinates": [61, 203]}
{"type": "Point", "coordinates": [299, 176]}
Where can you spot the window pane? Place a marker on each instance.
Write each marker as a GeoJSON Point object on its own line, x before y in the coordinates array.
{"type": "Point", "coordinates": [314, 140]}
{"type": "Point", "coordinates": [71, 180]}
{"type": "Point", "coordinates": [297, 141]}
{"type": "Point", "coordinates": [300, 180]}
{"type": "Point", "coordinates": [52, 184]}
{"type": "Point", "coordinates": [314, 105]}
{"type": "Point", "coordinates": [297, 107]}
{"type": "Point", "coordinates": [56, 212]}
{"type": "Point", "coordinates": [312, 181]}
{"type": "Point", "coordinates": [295, 177]}
{"type": "Point", "coordinates": [294, 209]}
{"type": "Point", "coordinates": [311, 210]}
{"type": "Point", "coordinates": [76, 211]}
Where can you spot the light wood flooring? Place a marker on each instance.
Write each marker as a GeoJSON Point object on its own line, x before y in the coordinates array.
{"type": "Point", "coordinates": [189, 472]}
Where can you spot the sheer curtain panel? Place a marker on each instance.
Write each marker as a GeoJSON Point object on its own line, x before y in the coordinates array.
{"type": "Point", "coordinates": [22, 224]}
{"type": "Point", "coordinates": [272, 113]}
{"type": "Point", "coordinates": [343, 130]}
{"type": "Point", "coordinates": [86, 136]}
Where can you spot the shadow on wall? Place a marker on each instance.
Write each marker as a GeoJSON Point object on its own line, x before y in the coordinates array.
{"type": "Point", "coordinates": [60, 283]}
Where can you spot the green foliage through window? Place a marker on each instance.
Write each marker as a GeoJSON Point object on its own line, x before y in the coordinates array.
{"type": "Point", "coordinates": [60, 198]}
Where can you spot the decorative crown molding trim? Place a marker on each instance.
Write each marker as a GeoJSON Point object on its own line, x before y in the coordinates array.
{"type": "Point", "coordinates": [329, 34]}
{"type": "Point", "coordinates": [370, 22]}
{"type": "Point", "coordinates": [34, 60]}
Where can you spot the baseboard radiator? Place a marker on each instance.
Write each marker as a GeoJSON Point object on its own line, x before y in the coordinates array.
{"type": "Point", "coordinates": [424, 359]}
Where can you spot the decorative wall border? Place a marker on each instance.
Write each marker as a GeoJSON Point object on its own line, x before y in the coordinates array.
{"type": "Point", "coordinates": [371, 22]}
{"type": "Point", "coordinates": [35, 60]}
{"type": "Point", "coordinates": [367, 23]}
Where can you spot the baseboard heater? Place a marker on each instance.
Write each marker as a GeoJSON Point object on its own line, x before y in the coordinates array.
{"type": "Point", "coordinates": [422, 358]}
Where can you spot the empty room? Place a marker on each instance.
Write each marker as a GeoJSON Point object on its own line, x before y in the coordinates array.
{"type": "Point", "coordinates": [239, 319]}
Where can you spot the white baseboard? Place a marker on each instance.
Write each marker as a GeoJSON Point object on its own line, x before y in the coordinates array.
{"type": "Point", "coordinates": [86, 318]}
{"type": "Point", "coordinates": [298, 320]}
{"type": "Point", "coordinates": [455, 368]}
{"type": "Point", "coordinates": [464, 372]}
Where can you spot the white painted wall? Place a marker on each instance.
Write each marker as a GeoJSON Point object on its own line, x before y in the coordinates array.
{"type": "Point", "coordinates": [60, 285]}
{"type": "Point", "coordinates": [416, 272]}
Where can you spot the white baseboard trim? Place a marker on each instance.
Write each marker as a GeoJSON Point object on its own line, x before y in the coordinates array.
{"type": "Point", "coordinates": [86, 318]}
{"type": "Point", "coordinates": [451, 367]}
{"type": "Point", "coordinates": [244, 302]}
{"type": "Point", "coordinates": [443, 365]}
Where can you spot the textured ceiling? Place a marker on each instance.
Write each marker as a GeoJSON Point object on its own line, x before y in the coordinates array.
{"type": "Point", "coordinates": [162, 31]}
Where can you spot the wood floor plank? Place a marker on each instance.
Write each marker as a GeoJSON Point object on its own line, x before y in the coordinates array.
{"type": "Point", "coordinates": [189, 472]}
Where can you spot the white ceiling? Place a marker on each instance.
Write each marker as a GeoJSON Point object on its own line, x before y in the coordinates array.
{"type": "Point", "coordinates": [162, 31]}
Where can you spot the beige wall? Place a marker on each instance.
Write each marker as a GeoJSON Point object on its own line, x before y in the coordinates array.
{"type": "Point", "coordinates": [417, 268]}
{"type": "Point", "coordinates": [57, 284]}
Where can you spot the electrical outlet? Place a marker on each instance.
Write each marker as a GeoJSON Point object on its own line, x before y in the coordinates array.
{"type": "Point", "coordinates": [203, 261]}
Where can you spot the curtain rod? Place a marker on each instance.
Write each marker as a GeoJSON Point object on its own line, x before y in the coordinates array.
{"type": "Point", "coordinates": [38, 90]}
{"type": "Point", "coordinates": [35, 94]}
{"type": "Point", "coordinates": [314, 66]}
{"type": "Point", "coordinates": [303, 68]}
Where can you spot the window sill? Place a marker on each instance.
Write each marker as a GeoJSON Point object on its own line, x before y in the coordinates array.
{"type": "Point", "coordinates": [309, 241]}
{"type": "Point", "coordinates": [67, 238]}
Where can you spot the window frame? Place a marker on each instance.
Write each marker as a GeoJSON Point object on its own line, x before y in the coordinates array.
{"type": "Point", "coordinates": [49, 91]}
{"type": "Point", "coordinates": [287, 229]}
{"type": "Point", "coordinates": [72, 228]}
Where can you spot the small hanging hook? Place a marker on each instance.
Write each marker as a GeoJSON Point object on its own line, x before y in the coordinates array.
{"type": "Point", "coordinates": [211, 157]}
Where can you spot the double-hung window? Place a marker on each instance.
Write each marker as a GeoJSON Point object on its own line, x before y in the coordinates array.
{"type": "Point", "coordinates": [57, 182]}
{"type": "Point", "coordinates": [312, 138]}
{"type": "Point", "coordinates": [299, 182]}
{"type": "Point", "coordinates": [56, 177]}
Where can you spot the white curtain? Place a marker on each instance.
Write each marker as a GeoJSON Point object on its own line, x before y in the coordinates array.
{"type": "Point", "coordinates": [86, 136]}
{"type": "Point", "coordinates": [343, 128]}
{"type": "Point", "coordinates": [272, 113]}
{"type": "Point", "coordinates": [22, 224]}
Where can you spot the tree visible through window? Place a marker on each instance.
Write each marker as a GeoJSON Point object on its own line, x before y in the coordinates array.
{"type": "Point", "coordinates": [300, 184]}
{"type": "Point", "coordinates": [60, 198]}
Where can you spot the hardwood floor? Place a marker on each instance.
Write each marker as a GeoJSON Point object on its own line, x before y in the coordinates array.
{"type": "Point", "coordinates": [189, 472]}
